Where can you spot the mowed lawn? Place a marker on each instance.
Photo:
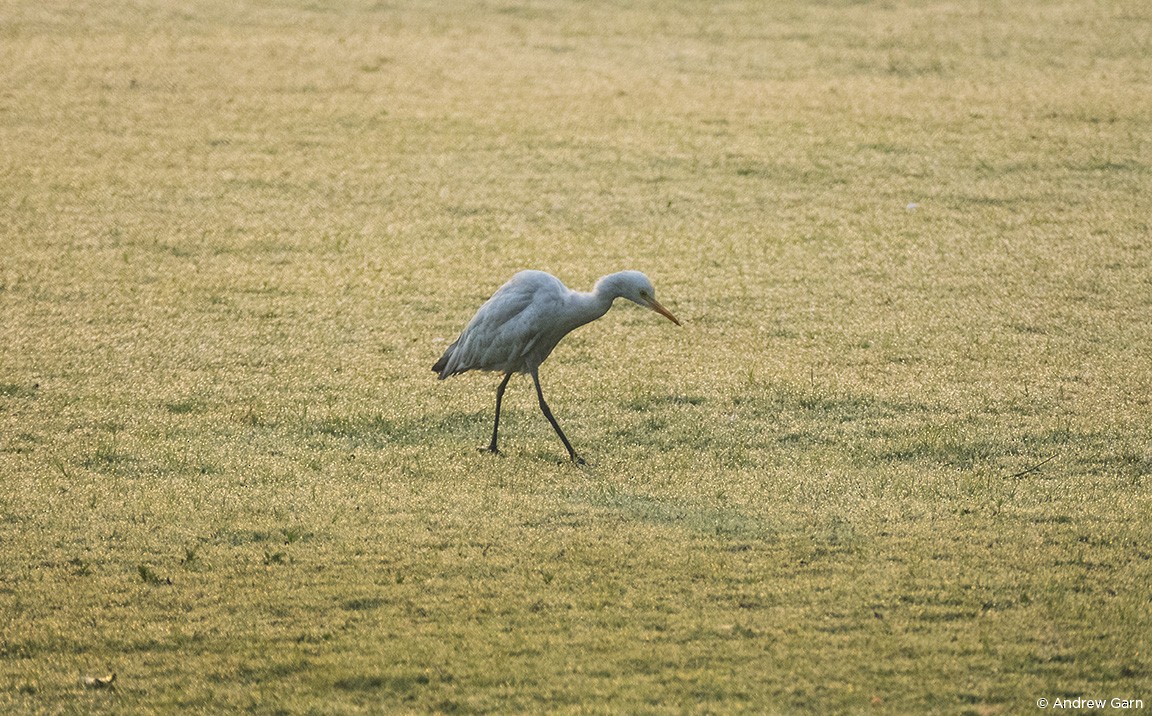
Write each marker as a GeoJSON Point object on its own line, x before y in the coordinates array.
{"type": "Point", "coordinates": [898, 458]}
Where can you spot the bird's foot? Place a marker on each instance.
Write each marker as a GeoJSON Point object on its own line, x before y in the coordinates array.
{"type": "Point", "coordinates": [577, 460]}
{"type": "Point", "coordinates": [491, 450]}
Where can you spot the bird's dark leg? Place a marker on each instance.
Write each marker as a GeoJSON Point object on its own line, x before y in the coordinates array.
{"type": "Point", "coordinates": [496, 424]}
{"type": "Point", "coordinates": [548, 414]}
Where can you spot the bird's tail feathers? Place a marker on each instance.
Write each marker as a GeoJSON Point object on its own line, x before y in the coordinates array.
{"type": "Point", "coordinates": [441, 366]}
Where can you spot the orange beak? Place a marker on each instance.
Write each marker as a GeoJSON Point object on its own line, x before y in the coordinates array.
{"type": "Point", "coordinates": [655, 306]}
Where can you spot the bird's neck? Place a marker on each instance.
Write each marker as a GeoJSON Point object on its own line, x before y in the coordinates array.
{"type": "Point", "coordinates": [587, 307]}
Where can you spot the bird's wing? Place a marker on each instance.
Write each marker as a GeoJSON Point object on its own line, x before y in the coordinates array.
{"type": "Point", "coordinates": [509, 326]}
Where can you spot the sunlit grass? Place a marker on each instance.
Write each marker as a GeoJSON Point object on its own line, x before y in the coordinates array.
{"type": "Point", "coordinates": [896, 459]}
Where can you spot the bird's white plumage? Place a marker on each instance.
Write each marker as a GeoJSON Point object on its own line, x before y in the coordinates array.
{"type": "Point", "coordinates": [517, 328]}
{"type": "Point", "coordinates": [512, 328]}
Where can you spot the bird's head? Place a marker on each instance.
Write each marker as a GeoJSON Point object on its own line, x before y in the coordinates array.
{"type": "Point", "coordinates": [636, 287]}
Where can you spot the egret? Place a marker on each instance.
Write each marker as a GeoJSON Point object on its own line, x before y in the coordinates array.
{"type": "Point", "coordinates": [516, 329]}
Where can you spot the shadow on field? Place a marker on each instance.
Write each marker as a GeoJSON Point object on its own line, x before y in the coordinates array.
{"type": "Point", "coordinates": [718, 521]}
{"type": "Point", "coordinates": [376, 431]}
{"type": "Point", "coordinates": [764, 426]}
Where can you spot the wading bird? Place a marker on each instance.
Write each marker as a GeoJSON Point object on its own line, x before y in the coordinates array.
{"type": "Point", "coordinates": [516, 329]}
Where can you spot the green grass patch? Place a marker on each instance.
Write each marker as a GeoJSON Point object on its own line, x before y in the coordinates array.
{"type": "Point", "coordinates": [896, 460]}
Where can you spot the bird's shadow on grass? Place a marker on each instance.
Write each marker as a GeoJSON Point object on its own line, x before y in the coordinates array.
{"type": "Point", "coordinates": [766, 424]}
{"type": "Point", "coordinates": [705, 519]}
{"type": "Point", "coordinates": [377, 431]}
{"type": "Point", "coordinates": [464, 432]}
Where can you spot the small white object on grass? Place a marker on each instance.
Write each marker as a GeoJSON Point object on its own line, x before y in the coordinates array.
{"type": "Point", "coordinates": [99, 682]}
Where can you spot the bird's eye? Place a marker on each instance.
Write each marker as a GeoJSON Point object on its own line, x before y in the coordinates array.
{"type": "Point", "coordinates": [643, 293]}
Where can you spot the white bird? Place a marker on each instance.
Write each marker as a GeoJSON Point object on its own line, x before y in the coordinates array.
{"type": "Point", "coordinates": [516, 329]}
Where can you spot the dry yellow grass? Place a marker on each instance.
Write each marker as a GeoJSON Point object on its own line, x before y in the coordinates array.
{"type": "Point", "coordinates": [897, 459]}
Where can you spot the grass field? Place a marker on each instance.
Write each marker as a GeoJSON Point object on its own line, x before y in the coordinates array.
{"type": "Point", "coordinates": [897, 460]}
